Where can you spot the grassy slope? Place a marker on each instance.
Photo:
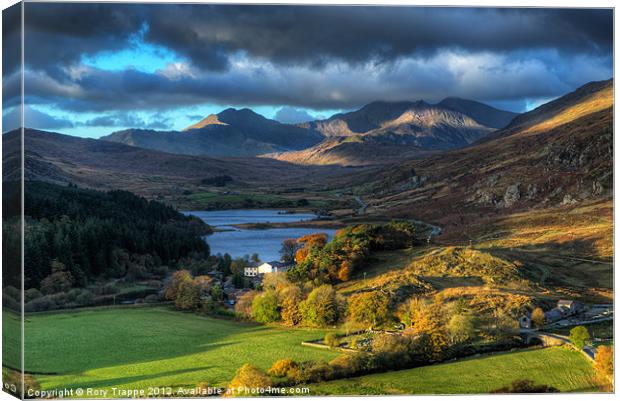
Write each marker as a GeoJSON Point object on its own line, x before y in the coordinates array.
{"type": "Point", "coordinates": [564, 369]}
{"type": "Point", "coordinates": [137, 348]}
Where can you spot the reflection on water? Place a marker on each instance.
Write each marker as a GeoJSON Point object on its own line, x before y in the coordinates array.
{"type": "Point", "coordinates": [240, 242]}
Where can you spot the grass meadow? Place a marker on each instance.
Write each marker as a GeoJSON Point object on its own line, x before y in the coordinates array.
{"type": "Point", "coordinates": [136, 348]}
{"type": "Point", "coordinates": [561, 368]}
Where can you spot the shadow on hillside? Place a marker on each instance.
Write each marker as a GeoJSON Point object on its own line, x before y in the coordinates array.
{"type": "Point", "coordinates": [566, 264]}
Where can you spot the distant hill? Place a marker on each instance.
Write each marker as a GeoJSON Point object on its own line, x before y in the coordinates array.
{"type": "Point", "coordinates": [559, 154]}
{"type": "Point", "coordinates": [231, 133]}
{"type": "Point", "coordinates": [384, 132]}
{"type": "Point", "coordinates": [93, 163]}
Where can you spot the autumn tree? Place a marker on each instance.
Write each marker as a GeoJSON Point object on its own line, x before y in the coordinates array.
{"type": "Point", "coordinates": [289, 298]}
{"type": "Point", "coordinates": [243, 306]}
{"type": "Point", "coordinates": [321, 308]}
{"type": "Point", "coordinates": [248, 378]}
{"type": "Point", "coordinates": [604, 361]}
{"type": "Point", "coordinates": [178, 277]}
{"type": "Point", "coordinates": [461, 328]}
{"type": "Point", "coordinates": [265, 307]}
{"type": "Point", "coordinates": [307, 242]}
{"type": "Point", "coordinates": [344, 271]}
{"type": "Point", "coordinates": [60, 280]}
{"type": "Point", "coordinates": [370, 308]}
{"type": "Point", "coordinates": [579, 336]}
{"type": "Point", "coordinates": [281, 367]}
{"type": "Point", "coordinates": [188, 295]}
{"type": "Point", "coordinates": [538, 317]}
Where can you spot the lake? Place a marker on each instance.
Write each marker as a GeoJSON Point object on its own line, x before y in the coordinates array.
{"type": "Point", "coordinates": [267, 243]}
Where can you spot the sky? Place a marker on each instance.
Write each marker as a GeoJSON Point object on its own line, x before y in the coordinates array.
{"type": "Point", "coordinates": [92, 69]}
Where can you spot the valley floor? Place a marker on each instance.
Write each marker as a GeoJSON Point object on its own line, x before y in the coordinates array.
{"type": "Point", "coordinates": [138, 348]}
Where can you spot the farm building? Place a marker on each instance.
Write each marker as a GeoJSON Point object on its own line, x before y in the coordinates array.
{"type": "Point", "coordinates": [563, 309]}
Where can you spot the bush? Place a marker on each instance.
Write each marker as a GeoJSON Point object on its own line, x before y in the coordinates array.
{"type": "Point", "coordinates": [10, 303]}
{"type": "Point", "coordinates": [331, 340]}
{"type": "Point", "coordinates": [280, 368]}
{"type": "Point", "coordinates": [249, 377]}
{"type": "Point", "coordinates": [32, 294]}
{"type": "Point", "coordinates": [538, 317]}
{"type": "Point", "coordinates": [85, 298]}
{"type": "Point", "coordinates": [321, 307]}
{"type": "Point", "coordinates": [243, 306]}
{"type": "Point", "coordinates": [579, 336]}
{"type": "Point", "coordinates": [44, 303]}
{"type": "Point", "coordinates": [310, 372]}
{"type": "Point", "coordinates": [347, 365]}
{"type": "Point", "coordinates": [265, 307]}
{"type": "Point", "coordinates": [369, 308]}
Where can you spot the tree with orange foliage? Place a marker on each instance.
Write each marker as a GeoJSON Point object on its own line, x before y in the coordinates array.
{"type": "Point", "coordinates": [178, 277]}
{"type": "Point", "coordinates": [604, 361]}
{"type": "Point", "coordinates": [344, 272]}
{"type": "Point", "coordinates": [307, 242]}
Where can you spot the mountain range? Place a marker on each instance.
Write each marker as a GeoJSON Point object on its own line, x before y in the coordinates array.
{"type": "Point", "coordinates": [377, 133]}
{"type": "Point", "coordinates": [557, 155]}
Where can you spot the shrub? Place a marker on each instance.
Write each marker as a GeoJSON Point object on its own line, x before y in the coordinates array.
{"type": "Point", "coordinates": [248, 378]}
{"type": "Point", "coordinates": [280, 368]}
{"type": "Point", "coordinates": [331, 340]}
{"type": "Point", "coordinates": [265, 307]}
{"type": "Point", "coordinates": [538, 317]}
{"type": "Point", "coordinates": [370, 308]}
{"type": "Point", "coordinates": [44, 303]}
{"type": "Point", "coordinates": [321, 307]}
{"type": "Point", "coordinates": [310, 372]}
{"type": "Point", "coordinates": [243, 306]}
{"type": "Point", "coordinates": [31, 294]}
{"type": "Point", "coordinates": [461, 328]}
{"type": "Point", "coordinates": [579, 336]}
{"type": "Point", "coordinates": [347, 365]}
{"type": "Point", "coordinates": [85, 298]}
{"type": "Point", "coordinates": [392, 351]}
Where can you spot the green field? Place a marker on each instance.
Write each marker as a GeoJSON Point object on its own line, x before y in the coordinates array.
{"type": "Point", "coordinates": [564, 369]}
{"type": "Point", "coordinates": [136, 348]}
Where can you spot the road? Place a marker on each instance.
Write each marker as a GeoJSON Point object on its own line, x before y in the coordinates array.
{"type": "Point", "coordinates": [435, 230]}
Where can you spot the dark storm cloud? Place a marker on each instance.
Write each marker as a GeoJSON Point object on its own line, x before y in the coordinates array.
{"type": "Point", "coordinates": [313, 57]}
{"type": "Point", "coordinates": [207, 34]}
{"type": "Point", "coordinates": [315, 35]}
{"type": "Point", "coordinates": [484, 77]}
{"type": "Point", "coordinates": [58, 34]}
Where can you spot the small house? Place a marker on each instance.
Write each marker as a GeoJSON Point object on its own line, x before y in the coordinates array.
{"type": "Point", "coordinates": [250, 271]}
{"type": "Point", "coordinates": [272, 267]}
{"type": "Point", "coordinates": [569, 307]}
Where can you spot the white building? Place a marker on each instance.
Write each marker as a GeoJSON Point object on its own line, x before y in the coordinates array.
{"type": "Point", "coordinates": [263, 268]}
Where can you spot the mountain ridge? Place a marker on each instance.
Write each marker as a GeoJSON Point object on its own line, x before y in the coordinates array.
{"type": "Point", "coordinates": [243, 133]}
